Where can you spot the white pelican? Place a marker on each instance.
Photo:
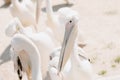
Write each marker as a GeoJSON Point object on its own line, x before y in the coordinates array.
{"type": "Point", "coordinates": [19, 44]}
{"type": "Point", "coordinates": [81, 68]}
{"type": "Point", "coordinates": [57, 21]}
{"type": "Point", "coordinates": [42, 40]}
{"type": "Point", "coordinates": [15, 26]}
{"type": "Point", "coordinates": [24, 10]}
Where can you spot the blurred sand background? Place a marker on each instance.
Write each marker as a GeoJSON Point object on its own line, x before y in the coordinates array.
{"type": "Point", "coordinates": [100, 26]}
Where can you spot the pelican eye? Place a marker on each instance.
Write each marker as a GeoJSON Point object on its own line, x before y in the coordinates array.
{"type": "Point", "coordinates": [70, 21]}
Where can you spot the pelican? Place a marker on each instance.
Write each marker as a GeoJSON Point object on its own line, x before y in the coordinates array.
{"type": "Point", "coordinates": [44, 42]}
{"type": "Point", "coordinates": [24, 10]}
{"type": "Point", "coordinates": [79, 66]}
{"type": "Point", "coordinates": [22, 46]}
{"type": "Point", "coordinates": [57, 21]}
{"type": "Point", "coordinates": [15, 26]}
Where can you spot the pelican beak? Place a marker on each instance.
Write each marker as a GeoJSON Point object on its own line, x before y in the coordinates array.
{"type": "Point", "coordinates": [68, 43]}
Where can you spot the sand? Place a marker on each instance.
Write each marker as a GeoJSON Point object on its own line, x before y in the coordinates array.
{"type": "Point", "coordinates": [99, 25]}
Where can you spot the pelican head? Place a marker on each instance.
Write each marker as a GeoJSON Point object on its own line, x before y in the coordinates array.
{"type": "Point", "coordinates": [65, 14]}
{"type": "Point", "coordinates": [12, 27]}
{"type": "Point", "coordinates": [71, 31]}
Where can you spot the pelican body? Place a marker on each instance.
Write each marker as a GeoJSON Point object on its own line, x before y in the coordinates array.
{"type": "Point", "coordinates": [80, 68]}
{"type": "Point", "coordinates": [43, 41]}
{"type": "Point", "coordinates": [23, 46]}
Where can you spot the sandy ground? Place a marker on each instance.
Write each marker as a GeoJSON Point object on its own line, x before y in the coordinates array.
{"type": "Point", "coordinates": [100, 26]}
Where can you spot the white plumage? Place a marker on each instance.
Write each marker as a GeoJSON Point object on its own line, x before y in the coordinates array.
{"type": "Point", "coordinates": [24, 10]}
{"type": "Point", "coordinates": [56, 21]}
{"type": "Point", "coordinates": [29, 56]}
{"type": "Point", "coordinates": [80, 66]}
{"type": "Point", "coordinates": [43, 41]}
